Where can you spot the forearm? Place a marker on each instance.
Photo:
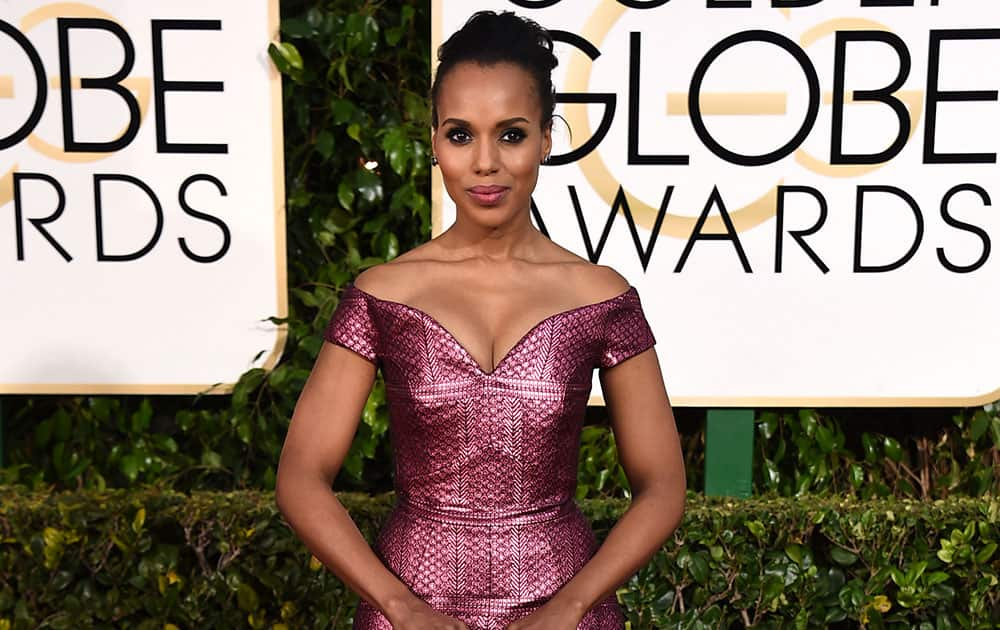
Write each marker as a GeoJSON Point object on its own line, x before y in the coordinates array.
{"type": "Point", "coordinates": [320, 520]}
{"type": "Point", "coordinates": [640, 532]}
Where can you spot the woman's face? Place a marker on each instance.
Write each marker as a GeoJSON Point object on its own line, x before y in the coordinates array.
{"type": "Point", "coordinates": [489, 141]}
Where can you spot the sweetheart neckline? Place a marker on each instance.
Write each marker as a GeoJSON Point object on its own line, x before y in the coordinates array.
{"type": "Point", "coordinates": [517, 344]}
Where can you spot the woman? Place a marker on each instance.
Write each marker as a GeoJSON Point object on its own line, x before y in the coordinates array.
{"type": "Point", "coordinates": [487, 336]}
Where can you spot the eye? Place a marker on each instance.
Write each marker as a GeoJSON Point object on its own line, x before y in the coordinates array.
{"type": "Point", "coordinates": [513, 135]}
{"type": "Point", "coordinates": [458, 135]}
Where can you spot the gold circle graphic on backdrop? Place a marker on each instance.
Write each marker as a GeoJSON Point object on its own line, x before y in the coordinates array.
{"type": "Point", "coordinates": [599, 176]}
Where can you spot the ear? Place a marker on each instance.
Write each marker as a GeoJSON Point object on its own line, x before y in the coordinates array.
{"type": "Point", "coordinates": [547, 139]}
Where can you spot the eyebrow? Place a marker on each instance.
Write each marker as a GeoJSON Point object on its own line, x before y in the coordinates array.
{"type": "Point", "coordinates": [502, 123]}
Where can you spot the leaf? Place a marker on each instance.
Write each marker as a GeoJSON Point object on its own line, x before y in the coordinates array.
{"type": "Point", "coordinates": [946, 555]}
{"type": "Point", "coordinates": [984, 554]}
{"type": "Point", "coordinates": [394, 34]}
{"type": "Point", "coordinates": [342, 71]}
{"type": "Point", "coordinates": [870, 447]}
{"type": "Point", "coordinates": [248, 382]}
{"type": "Point", "coordinates": [345, 194]}
{"type": "Point", "coordinates": [354, 132]}
{"type": "Point", "coordinates": [834, 614]}
{"type": "Point", "coordinates": [803, 483]}
{"type": "Point", "coordinates": [980, 422]}
{"type": "Point", "coordinates": [63, 426]}
{"type": "Point", "coordinates": [138, 520]}
{"type": "Point", "coordinates": [306, 297]}
{"type": "Point", "coordinates": [388, 245]}
{"type": "Point", "coordinates": [794, 552]}
{"type": "Point", "coordinates": [324, 144]}
{"type": "Point", "coordinates": [898, 577]}
{"type": "Point", "coordinates": [286, 57]}
{"type": "Point", "coordinates": [807, 417]}
{"type": "Point", "coordinates": [857, 475]}
{"type": "Point", "coordinates": [342, 110]}
{"type": "Point", "coordinates": [767, 424]}
{"type": "Point", "coordinates": [129, 466]}
{"type": "Point", "coordinates": [43, 432]}
{"type": "Point", "coordinates": [935, 577]}
{"type": "Point", "coordinates": [699, 567]}
{"type": "Point", "coordinates": [244, 429]}
{"type": "Point", "coordinates": [892, 449]}
{"type": "Point", "coordinates": [842, 556]}
{"type": "Point", "coordinates": [398, 149]}
{"type": "Point", "coordinates": [943, 592]}
{"type": "Point", "coordinates": [369, 186]}
{"type": "Point", "coordinates": [824, 437]}
{"type": "Point", "coordinates": [211, 459]}
{"type": "Point", "coordinates": [915, 571]}
{"type": "Point", "coordinates": [246, 597]}
{"type": "Point", "coordinates": [773, 587]}
{"type": "Point", "coordinates": [771, 474]}
{"type": "Point", "coordinates": [142, 416]}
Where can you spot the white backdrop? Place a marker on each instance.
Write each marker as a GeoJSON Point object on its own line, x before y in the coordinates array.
{"type": "Point", "coordinates": [817, 332]}
{"type": "Point", "coordinates": [168, 320]}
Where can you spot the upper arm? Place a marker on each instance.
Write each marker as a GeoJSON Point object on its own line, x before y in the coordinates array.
{"type": "Point", "coordinates": [330, 405]}
{"type": "Point", "coordinates": [643, 422]}
{"type": "Point", "coordinates": [637, 402]}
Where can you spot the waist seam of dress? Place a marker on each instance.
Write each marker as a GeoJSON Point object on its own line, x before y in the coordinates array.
{"type": "Point", "coordinates": [490, 519]}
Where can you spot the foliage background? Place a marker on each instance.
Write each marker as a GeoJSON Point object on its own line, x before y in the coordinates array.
{"type": "Point", "coordinates": [356, 85]}
{"type": "Point", "coordinates": [158, 559]}
{"type": "Point", "coordinates": [356, 79]}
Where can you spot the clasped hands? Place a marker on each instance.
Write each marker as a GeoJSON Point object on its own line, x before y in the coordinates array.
{"type": "Point", "coordinates": [553, 615]}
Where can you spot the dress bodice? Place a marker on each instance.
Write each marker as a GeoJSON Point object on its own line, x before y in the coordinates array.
{"type": "Point", "coordinates": [493, 448]}
{"type": "Point", "coordinates": [466, 440]}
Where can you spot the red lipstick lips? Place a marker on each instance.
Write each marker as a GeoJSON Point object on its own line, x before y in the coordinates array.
{"type": "Point", "coordinates": [488, 195]}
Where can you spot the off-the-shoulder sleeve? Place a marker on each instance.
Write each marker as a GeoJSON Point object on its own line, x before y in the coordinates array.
{"type": "Point", "coordinates": [626, 332]}
{"type": "Point", "coordinates": [352, 325]}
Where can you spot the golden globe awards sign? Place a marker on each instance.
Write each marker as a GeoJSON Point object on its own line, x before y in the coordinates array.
{"type": "Point", "coordinates": [141, 196]}
{"type": "Point", "coordinates": [801, 190]}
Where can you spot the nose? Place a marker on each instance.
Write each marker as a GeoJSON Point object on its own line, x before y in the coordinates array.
{"type": "Point", "coordinates": [487, 158]}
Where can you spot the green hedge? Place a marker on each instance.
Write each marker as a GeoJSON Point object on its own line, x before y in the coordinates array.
{"type": "Point", "coordinates": [152, 558]}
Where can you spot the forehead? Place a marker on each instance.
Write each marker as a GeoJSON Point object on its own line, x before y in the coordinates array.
{"type": "Point", "coordinates": [484, 93]}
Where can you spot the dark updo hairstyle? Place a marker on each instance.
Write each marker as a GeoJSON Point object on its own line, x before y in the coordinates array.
{"type": "Point", "coordinates": [488, 38]}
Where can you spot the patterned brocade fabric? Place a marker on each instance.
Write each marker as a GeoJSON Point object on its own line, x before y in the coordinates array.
{"type": "Point", "coordinates": [485, 527]}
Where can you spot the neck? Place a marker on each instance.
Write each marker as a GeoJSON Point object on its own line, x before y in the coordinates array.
{"type": "Point", "coordinates": [516, 239]}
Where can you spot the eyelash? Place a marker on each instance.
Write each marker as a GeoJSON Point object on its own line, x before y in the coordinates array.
{"type": "Point", "coordinates": [519, 135]}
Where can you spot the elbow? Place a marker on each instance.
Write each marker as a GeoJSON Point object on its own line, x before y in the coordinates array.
{"type": "Point", "coordinates": [680, 509]}
{"type": "Point", "coordinates": [674, 500]}
{"type": "Point", "coordinates": [671, 498]}
{"type": "Point", "coordinates": [281, 498]}
{"type": "Point", "coordinates": [678, 499]}
{"type": "Point", "coordinates": [283, 491]}
{"type": "Point", "coordinates": [296, 486]}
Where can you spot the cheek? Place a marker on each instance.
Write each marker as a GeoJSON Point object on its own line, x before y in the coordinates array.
{"type": "Point", "coordinates": [523, 166]}
{"type": "Point", "coordinates": [450, 164]}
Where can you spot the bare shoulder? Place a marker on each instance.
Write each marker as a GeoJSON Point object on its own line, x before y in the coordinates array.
{"type": "Point", "coordinates": [595, 282]}
{"type": "Point", "coordinates": [389, 280]}
{"type": "Point", "coordinates": [599, 282]}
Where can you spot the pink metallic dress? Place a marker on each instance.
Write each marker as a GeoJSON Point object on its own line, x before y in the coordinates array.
{"type": "Point", "coordinates": [485, 527]}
